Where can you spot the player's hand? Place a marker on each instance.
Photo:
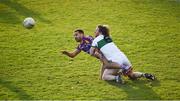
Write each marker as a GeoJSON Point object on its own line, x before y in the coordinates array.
{"type": "Point", "coordinates": [96, 54]}
{"type": "Point", "coordinates": [64, 52]}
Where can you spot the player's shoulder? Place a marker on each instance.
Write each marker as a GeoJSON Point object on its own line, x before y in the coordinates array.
{"type": "Point", "coordinates": [98, 38]}
{"type": "Point", "coordinates": [89, 37]}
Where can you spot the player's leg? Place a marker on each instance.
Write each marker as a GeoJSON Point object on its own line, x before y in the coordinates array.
{"type": "Point", "coordinates": [126, 67]}
{"type": "Point", "coordinates": [119, 62]}
{"type": "Point", "coordinates": [102, 68]}
{"type": "Point", "coordinates": [135, 75]}
{"type": "Point", "coordinates": [128, 70]}
{"type": "Point", "coordinates": [112, 74]}
{"type": "Point", "coordinates": [107, 75]}
{"type": "Point", "coordinates": [110, 64]}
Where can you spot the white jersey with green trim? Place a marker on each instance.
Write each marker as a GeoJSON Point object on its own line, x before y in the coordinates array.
{"type": "Point", "coordinates": [110, 51]}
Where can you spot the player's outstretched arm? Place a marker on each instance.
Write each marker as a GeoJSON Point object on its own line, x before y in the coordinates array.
{"type": "Point", "coordinates": [71, 54]}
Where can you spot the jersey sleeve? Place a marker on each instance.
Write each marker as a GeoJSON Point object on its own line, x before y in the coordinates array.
{"type": "Point", "coordinates": [94, 43]}
{"type": "Point", "coordinates": [90, 38]}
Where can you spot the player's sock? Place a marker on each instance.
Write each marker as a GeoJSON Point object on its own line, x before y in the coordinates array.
{"type": "Point", "coordinates": [119, 79]}
{"type": "Point", "coordinates": [138, 74]}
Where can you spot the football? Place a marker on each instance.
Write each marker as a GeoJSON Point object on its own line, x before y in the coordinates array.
{"type": "Point", "coordinates": [29, 22]}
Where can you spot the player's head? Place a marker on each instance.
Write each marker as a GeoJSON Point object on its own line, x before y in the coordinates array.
{"type": "Point", "coordinates": [78, 35]}
{"type": "Point", "coordinates": [102, 29]}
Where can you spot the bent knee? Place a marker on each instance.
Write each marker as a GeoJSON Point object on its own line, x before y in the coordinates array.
{"type": "Point", "coordinates": [104, 77]}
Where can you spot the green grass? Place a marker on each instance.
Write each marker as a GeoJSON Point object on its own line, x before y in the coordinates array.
{"type": "Point", "coordinates": [31, 66]}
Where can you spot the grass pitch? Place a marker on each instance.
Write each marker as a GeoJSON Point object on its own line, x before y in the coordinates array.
{"type": "Point", "coordinates": [31, 66]}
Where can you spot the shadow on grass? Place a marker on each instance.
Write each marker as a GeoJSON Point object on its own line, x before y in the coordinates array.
{"type": "Point", "coordinates": [10, 17]}
{"type": "Point", "coordinates": [139, 89]}
{"type": "Point", "coordinates": [12, 87]}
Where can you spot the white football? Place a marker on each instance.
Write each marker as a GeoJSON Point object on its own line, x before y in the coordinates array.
{"type": "Point", "coordinates": [29, 22]}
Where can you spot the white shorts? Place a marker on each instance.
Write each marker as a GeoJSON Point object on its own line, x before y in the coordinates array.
{"type": "Point", "coordinates": [122, 60]}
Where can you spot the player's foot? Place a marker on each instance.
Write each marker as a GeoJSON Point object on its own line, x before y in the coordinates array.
{"type": "Point", "coordinates": [149, 76]}
{"type": "Point", "coordinates": [119, 79]}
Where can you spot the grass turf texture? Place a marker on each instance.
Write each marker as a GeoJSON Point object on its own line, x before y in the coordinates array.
{"type": "Point", "coordinates": [31, 66]}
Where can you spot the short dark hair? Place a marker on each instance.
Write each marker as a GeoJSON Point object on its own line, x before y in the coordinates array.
{"type": "Point", "coordinates": [79, 30]}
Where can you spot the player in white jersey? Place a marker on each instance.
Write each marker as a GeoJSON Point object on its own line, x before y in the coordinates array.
{"type": "Point", "coordinates": [116, 58]}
